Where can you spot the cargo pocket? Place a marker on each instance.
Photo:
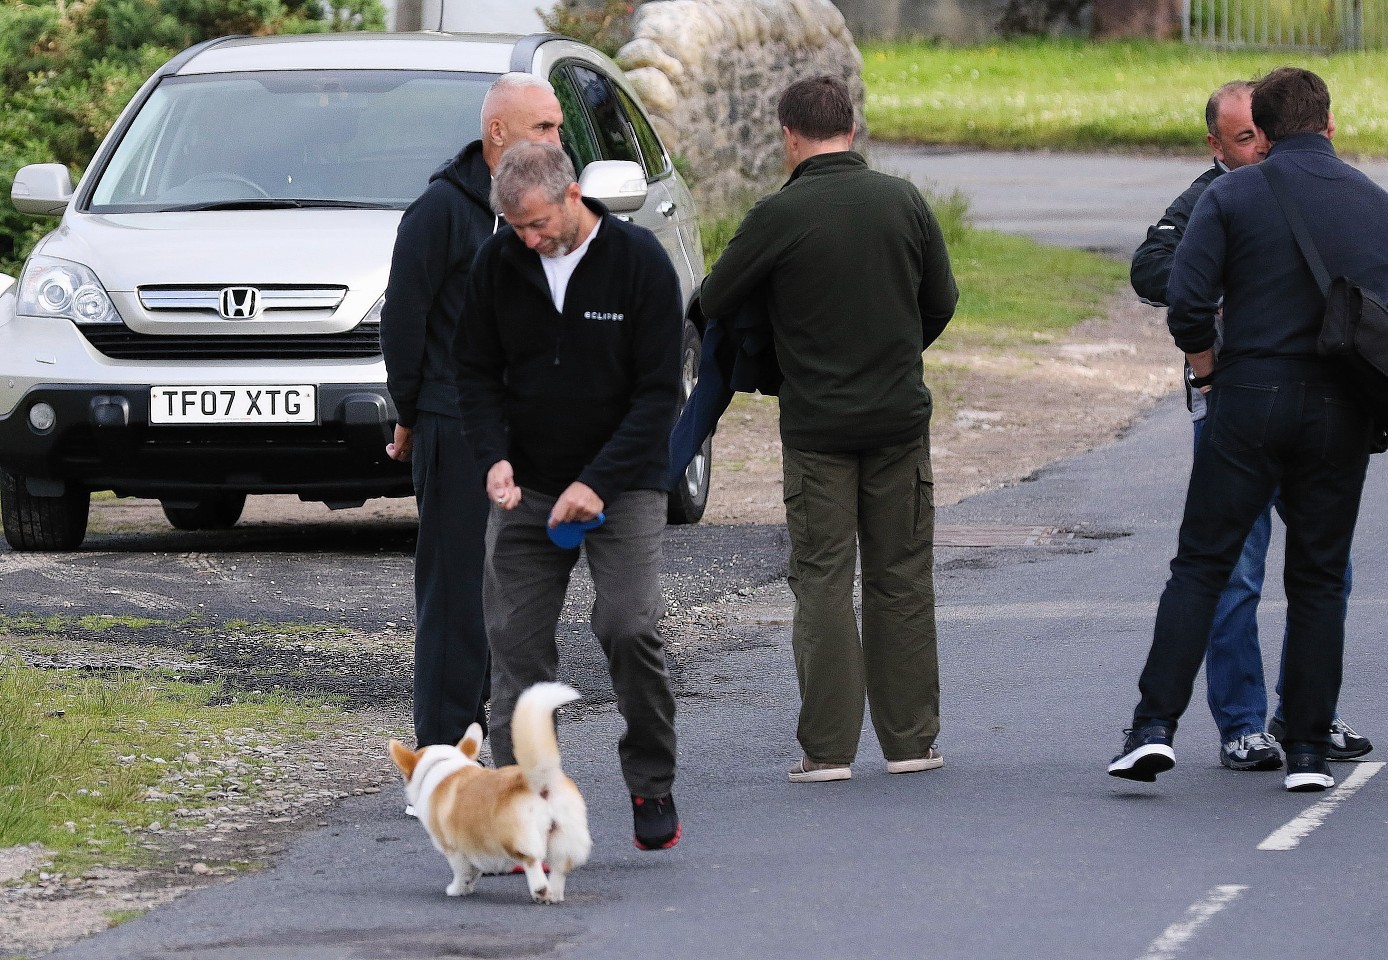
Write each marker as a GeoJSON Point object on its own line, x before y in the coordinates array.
{"type": "Point", "coordinates": [797, 519]}
{"type": "Point", "coordinates": [925, 502]}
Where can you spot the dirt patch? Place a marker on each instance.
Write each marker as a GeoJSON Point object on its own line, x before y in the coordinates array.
{"type": "Point", "coordinates": [1001, 414]}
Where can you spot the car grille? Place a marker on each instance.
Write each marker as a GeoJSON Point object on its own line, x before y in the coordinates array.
{"type": "Point", "coordinates": [204, 299]}
{"type": "Point", "coordinates": [119, 342]}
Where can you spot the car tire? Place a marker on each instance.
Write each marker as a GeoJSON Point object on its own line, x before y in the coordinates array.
{"type": "Point", "coordinates": [219, 512]}
{"type": "Point", "coordinates": [689, 499]}
{"type": "Point", "coordinates": [43, 523]}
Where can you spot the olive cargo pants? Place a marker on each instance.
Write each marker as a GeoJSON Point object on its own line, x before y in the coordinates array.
{"type": "Point", "coordinates": [882, 501]}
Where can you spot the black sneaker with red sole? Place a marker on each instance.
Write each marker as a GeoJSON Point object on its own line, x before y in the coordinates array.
{"type": "Point", "coordinates": [657, 823]}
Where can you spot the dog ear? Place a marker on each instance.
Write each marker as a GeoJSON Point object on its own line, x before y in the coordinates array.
{"type": "Point", "coordinates": [404, 758]}
{"type": "Point", "coordinates": [471, 742]}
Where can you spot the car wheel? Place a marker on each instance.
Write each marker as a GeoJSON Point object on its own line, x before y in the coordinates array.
{"type": "Point", "coordinates": [690, 496]}
{"type": "Point", "coordinates": [43, 523]}
{"type": "Point", "coordinates": [219, 512]}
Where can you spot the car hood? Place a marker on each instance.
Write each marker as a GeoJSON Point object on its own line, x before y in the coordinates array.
{"type": "Point", "coordinates": [351, 248]}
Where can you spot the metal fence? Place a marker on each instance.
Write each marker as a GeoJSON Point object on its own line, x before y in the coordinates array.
{"type": "Point", "coordinates": [1288, 24]}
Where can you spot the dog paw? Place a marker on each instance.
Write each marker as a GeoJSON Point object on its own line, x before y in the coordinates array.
{"type": "Point", "coordinates": [544, 895]}
{"type": "Point", "coordinates": [456, 889]}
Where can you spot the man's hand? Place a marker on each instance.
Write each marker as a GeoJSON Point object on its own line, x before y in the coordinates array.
{"type": "Point", "coordinates": [578, 502]}
{"type": "Point", "coordinates": [501, 486]}
{"type": "Point", "coordinates": [1202, 365]}
{"type": "Point", "coordinates": [402, 447]}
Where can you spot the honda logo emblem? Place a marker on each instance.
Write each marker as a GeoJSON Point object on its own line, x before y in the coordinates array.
{"type": "Point", "coordinates": [239, 303]}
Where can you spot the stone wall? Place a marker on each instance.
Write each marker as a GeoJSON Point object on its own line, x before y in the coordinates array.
{"type": "Point", "coordinates": [710, 71]}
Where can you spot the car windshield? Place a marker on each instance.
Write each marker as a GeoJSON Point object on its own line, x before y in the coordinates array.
{"type": "Point", "coordinates": [312, 138]}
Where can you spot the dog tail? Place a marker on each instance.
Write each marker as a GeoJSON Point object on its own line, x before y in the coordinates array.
{"type": "Point", "coordinates": [532, 733]}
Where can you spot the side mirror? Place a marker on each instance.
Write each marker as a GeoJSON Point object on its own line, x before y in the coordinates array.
{"type": "Point", "coordinates": [42, 189]}
{"type": "Point", "coordinates": [619, 184]}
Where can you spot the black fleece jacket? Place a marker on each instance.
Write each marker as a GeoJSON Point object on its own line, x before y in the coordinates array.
{"type": "Point", "coordinates": [585, 395]}
{"type": "Point", "coordinates": [438, 237]}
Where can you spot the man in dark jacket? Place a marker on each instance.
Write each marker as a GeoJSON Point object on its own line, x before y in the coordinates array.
{"type": "Point", "coordinates": [568, 360]}
{"type": "Point", "coordinates": [1237, 692]}
{"type": "Point", "coordinates": [855, 272]}
{"type": "Point", "coordinates": [438, 237]}
{"type": "Point", "coordinates": [1279, 416]}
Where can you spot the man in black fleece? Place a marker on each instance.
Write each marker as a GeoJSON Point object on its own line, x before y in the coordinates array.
{"type": "Point", "coordinates": [858, 283]}
{"type": "Point", "coordinates": [438, 237]}
{"type": "Point", "coordinates": [568, 359]}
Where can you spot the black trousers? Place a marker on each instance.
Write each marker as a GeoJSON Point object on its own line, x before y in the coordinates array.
{"type": "Point", "coordinates": [452, 666]}
{"type": "Point", "coordinates": [1273, 422]}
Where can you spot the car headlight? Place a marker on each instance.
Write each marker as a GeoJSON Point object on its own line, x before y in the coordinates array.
{"type": "Point", "coordinates": [374, 314]}
{"type": "Point", "coordinates": [50, 287]}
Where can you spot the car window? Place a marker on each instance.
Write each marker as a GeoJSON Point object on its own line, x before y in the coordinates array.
{"type": "Point", "coordinates": [369, 137]}
{"type": "Point", "coordinates": [652, 153]}
{"type": "Point", "coordinates": [576, 134]}
{"type": "Point", "coordinates": [614, 134]}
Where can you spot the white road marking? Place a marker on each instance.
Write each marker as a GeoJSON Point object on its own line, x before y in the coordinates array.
{"type": "Point", "coordinates": [1287, 836]}
{"type": "Point", "coordinates": [1177, 935]}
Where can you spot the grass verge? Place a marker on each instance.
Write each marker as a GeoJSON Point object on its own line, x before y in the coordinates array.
{"type": "Point", "coordinates": [87, 758]}
{"type": "Point", "coordinates": [1070, 94]}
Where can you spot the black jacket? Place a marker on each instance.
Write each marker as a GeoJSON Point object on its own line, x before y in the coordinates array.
{"type": "Point", "coordinates": [438, 237]}
{"type": "Point", "coordinates": [585, 395]}
{"type": "Point", "coordinates": [1238, 244]}
{"type": "Point", "coordinates": [1152, 261]}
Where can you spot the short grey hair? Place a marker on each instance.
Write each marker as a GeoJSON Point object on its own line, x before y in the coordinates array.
{"type": "Point", "coordinates": [507, 84]}
{"type": "Point", "coordinates": [1212, 105]}
{"type": "Point", "coordinates": [531, 166]}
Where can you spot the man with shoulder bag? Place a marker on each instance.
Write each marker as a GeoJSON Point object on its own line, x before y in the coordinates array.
{"type": "Point", "coordinates": [1280, 415]}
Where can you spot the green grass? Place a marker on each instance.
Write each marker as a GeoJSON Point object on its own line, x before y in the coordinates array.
{"type": "Point", "coordinates": [1069, 94]}
{"type": "Point", "coordinates": [83, 755]}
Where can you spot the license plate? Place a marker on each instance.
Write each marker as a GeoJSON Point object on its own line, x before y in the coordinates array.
{"type": "Point", "coordinates": [234, 404]}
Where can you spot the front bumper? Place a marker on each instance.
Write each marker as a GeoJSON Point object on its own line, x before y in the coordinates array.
{"type": "Point", "coordinates": [103, 440]}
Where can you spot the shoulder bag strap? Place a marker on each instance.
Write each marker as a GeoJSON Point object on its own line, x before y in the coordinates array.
{"type": "Point", "coordinates": [1292, 212]}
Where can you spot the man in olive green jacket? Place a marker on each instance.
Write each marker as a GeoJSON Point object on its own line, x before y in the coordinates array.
{"type": "Point", "coordinates": [858, 282]}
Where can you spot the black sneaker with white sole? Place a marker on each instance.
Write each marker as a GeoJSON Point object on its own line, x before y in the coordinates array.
{"type": "Point", "coordinates": [1307, 772]}
{"type": "Point", "coordinates": [1345, 743]}
{"type": "Point", "coordinates": [1146, 753]}
{"type": "Point", "coordinates": [1252, 751]}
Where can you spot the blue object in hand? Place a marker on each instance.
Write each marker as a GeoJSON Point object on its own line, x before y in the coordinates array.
{"type": "Point", "coordinates": [569, 534]}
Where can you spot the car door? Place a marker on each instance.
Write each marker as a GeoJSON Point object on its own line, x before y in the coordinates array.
{"type": "Point", "coordinates": [601, 122]}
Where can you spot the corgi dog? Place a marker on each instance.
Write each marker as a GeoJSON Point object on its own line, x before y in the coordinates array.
{"type": "Point", "coordinates": [488, 821]}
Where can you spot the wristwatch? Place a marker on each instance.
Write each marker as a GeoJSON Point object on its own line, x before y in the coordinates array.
{"type": "Point", "coordinates": [1196, 383]}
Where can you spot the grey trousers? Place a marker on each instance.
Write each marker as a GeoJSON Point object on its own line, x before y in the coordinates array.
{"type": "Point", "coordinates": [881, 501]}
{"type": "Point", "coordinates": [526, 579]}
{"type": "Point", "coordinates": [451, 665]}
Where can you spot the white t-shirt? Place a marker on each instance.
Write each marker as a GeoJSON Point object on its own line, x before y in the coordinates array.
{"type": "Point", "coordinates": [558, 270]}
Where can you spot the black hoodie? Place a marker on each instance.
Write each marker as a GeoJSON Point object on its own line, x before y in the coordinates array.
{"type": "Point", "coordinates": [435, 244]}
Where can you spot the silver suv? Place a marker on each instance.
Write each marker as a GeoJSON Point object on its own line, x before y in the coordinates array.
{"type": "Point", "coordinates": [204, 323]}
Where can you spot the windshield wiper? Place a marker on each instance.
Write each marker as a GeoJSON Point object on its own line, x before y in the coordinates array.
{"type": "Point", "coordinates": [276, 203]}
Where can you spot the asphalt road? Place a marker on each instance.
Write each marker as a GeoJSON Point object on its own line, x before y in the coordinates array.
{"type": "Point", "coordinates": [1093, 201]}
{"type": "Point", "coordinates": [1020, 847]}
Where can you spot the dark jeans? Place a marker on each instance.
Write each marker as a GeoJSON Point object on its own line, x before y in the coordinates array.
{"type": "Point", "coordinates": [451, 665]}
{"type": "Point", "coordinates": [1273, 422]}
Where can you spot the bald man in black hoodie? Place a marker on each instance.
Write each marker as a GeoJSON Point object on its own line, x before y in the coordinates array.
{"type": "Point", "coordinates": [438, 237]}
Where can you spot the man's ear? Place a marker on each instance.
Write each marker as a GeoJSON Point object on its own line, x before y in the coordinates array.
{"type": "Point", "coordinates": [494, 129]}
{"type": "Point", "coordinates": [1215, 147]}
{"type": "Point", "coordinates": [573, 194]}
{"type": "Point", "coordinates": [1330, 127]}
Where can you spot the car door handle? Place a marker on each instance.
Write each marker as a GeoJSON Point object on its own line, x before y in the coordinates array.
{"type": "Point", "coordinates": [666, 208]}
